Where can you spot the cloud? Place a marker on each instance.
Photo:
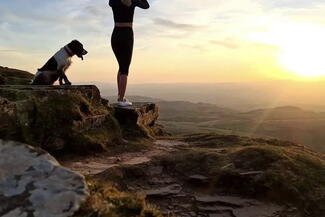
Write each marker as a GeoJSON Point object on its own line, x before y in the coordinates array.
{"type": "Point", "coordinates": [197, 47]}
{"type": "Point", "coordinates": [180, 26]}
{"type": "Point", "coordinates": [38, 26]}
{"type": "Point", "coordinates": [276, 4]}
{"type": "Point", "coordinates": [227, 43]}
{"type": "Point", "coordinates": [8, 51]}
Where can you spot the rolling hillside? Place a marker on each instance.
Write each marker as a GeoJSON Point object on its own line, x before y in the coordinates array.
{"type": "Point", "coordinates": [288, 123]}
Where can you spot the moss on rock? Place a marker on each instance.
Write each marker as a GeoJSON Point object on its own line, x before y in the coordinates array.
{"type": "Point", "coordinates": [138, 120]}
{"type": "Point", "coordinates": [10, 76]}
{"type": "Point", "coordinates": [57, 118]}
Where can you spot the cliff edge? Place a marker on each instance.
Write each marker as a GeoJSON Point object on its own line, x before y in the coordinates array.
{"type": "Point", "coordinates": [73, 118]}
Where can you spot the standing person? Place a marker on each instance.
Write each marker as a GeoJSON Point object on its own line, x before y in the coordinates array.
{"type": "Point", "coordinates": [122, 40]}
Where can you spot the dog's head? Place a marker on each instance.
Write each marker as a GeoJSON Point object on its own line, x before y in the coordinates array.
{"type": "Point", "coordinates": [77, 48]}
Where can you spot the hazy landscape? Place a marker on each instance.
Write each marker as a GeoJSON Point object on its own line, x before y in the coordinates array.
{"type": "Point", "coordinates": [186, 109]}
{"type": "Point", "coordinates": [244, 97]}
{"type": "Point", "coordinates": [287, 123]}
{"type": "Point", "coordinates": [122, 160]}
{"type": "Point", "coordinates": [258, 110]}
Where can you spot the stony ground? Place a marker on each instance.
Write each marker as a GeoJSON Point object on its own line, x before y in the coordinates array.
{"type": "Point", "coordinates": [97, 163]}
{"type": "Point", "coordinates": [181, 190]}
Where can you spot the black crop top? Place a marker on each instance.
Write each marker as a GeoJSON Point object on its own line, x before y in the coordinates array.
{"type": "Point", "coordinates": [123, 13]}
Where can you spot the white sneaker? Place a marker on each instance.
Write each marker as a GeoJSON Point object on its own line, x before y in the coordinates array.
{"type": "Point", "coordinates": [124, 103]}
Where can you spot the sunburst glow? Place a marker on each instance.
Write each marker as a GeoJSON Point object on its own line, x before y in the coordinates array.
{"type": "Point", "coordinates": [301, 47]}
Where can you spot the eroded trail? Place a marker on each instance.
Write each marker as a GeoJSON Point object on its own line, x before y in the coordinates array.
{"type": "Point", "coordinates": [91, 165]}
{"type": "Point", "coordinates": [185, 194]}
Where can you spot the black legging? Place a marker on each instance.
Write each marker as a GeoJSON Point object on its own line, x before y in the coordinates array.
{"type": "Point", "coordinates": [122, 45]}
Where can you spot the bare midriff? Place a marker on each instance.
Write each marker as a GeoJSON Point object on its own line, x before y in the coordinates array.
{"type": "Point", "coordinates": [123, 24]}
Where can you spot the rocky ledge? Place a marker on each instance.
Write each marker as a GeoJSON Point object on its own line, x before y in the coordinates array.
{"type": "Point", "coordinates": [32, 183]}
{"type": "Point", "coordinates": [139, 120]}
{"type": "Point", "coordinates": [70, 118]}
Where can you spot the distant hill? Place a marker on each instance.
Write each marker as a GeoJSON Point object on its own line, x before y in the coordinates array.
{"type": "Point", "coordinates": [284, 113]}
{"type": "Point", "coordinates": [288, 123]}
{"type": "Point", "coordinates": [182, 111]}
{"type": "Point", "coordinates": [14, 76]}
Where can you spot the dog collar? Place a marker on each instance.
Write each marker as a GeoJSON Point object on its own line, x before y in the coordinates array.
{"type": "Point", "coordinates": [68, 51]}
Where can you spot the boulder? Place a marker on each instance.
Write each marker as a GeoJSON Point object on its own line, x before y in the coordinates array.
{"type": "Point", "coordinates": [32, 183]}
{"type": "Point", "coordinates": [10, 76]}
{"type": "Point", "coordinates": [139, 120]}
{"type": "Point", "coordinates": [58, 117]}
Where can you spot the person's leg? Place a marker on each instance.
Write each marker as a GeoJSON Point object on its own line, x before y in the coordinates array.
{"type": "Point", "coordinates": [122, 44]}
{"type": "Point", "coordinates": [125, 61]}
{"type": "Point", "coordinates": [122, 86]}
{"type": "Point", "coordinates": [117, 46]}
{"type": "Point", "coordinates": [118, 86]}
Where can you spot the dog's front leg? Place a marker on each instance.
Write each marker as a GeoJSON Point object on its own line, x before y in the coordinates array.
{"type": "Point", "coordinates": [65, 78]}
{"type": "Point", "coordinates": [62, 77]}
{"type": "Point", "coordinates": [61, 73]}
{"type": "Point", "coordinates": [60, 80]}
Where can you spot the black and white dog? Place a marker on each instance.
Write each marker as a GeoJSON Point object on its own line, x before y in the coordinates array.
{"type": "Point", "coordinates": [56, 67]}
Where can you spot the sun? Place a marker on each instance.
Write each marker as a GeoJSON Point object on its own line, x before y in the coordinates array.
{"type": "Point", "coordinates": [301, 47]}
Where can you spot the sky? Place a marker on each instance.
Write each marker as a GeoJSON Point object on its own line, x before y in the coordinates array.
{"type": "Point", "coordinates": [186, 41]}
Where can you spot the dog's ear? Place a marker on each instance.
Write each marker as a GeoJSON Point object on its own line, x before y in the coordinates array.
{"type": "Point", "coordinates": [77, 48]}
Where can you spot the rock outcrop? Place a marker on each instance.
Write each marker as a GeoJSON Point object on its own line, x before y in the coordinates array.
{"type": "Point", "coordinates": [57, 117]}
{"type": "Point", "coordinates": [72, 118]}
{"type": "Point", "coordinates": [139, 120]}
{"type": "Point", "coordinates": [10, 76]}
{"type": "Point", "coordinates": [33, 184]}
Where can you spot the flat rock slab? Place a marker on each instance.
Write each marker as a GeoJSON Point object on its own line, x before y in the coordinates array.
{"type": "Point", "coordinates": [251, 173]}
{"type": "Point", "coordinates": [33, 184]}
{"type": "Point", "coordinates": [264, 210]}
{"type": "Point", "coordinates": [164, 191]}
{"type": "Point", "coordinates": [231, 201]}
{"type": "Point", "coordinates": [21, 92]}
{"type": "Point", "coordinates": [236, 206]}
{"type": "Point", "coordinates": [47, 87]}
{"type": "Point", "coordinates": [199, 179]}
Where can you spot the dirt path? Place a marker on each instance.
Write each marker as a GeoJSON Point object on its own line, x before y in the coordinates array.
{"type": "Point", "coordinates": [90, 165]}
{"type": "Point", "coordinates": [172, 195]}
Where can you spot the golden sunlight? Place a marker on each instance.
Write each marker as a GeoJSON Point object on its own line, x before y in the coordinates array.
{"type": "Point", "coordinates": [301, 47]}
